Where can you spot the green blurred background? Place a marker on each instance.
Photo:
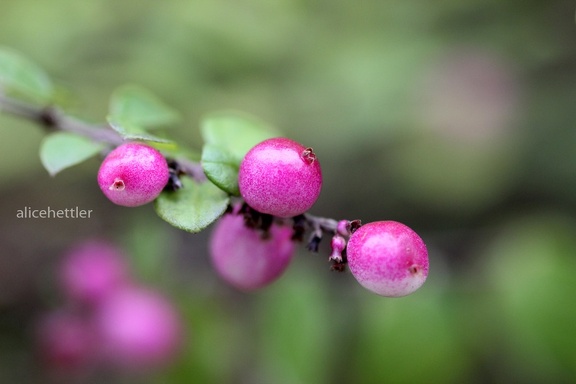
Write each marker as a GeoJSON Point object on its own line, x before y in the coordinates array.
{"type": "Point", "coordinates": [455, 117]}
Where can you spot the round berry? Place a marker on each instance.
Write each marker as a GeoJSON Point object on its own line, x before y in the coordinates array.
{"type": "Point", "coordinates": [138, 328]}
{"type": "Point", "coordinates": [280, 177]}
{"type": "Point", "coordinates": [92, 271]}
{"type": "Point", "coordinates": [388, 258]}
{"type": "Point", "coordinates": [66, 341]}
{"type": "Point", "coordinates": [246, 258]}
{"type": "Point", "coordinates": [133, 174]}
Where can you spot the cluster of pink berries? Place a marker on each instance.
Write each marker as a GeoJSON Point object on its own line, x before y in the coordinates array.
{"type": "Point", "coordinates": [108, 321]}
{"type": "Point", "coordinates": [279, 181]}
{"type": "Point", "coordinates": [282, 179]}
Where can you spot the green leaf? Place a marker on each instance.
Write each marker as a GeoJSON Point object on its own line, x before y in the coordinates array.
{"type": "Point", "coordinates": [22, 78]}
{"type": "Point", "coordinates": [221, 168]}
{"type": "Point", "coordinates": [193, 207]}
{"type": "Point", "coordinates": [173, 150]}
{"type": "Point", "coordinates": [61, 150]}
{"type": "Point", "coordinates": [235, 132]}
{"type": "Point", "coordinates": [130, 131]}
{"type": "Point", "coordinates": [137, 106]}
{"type": "Point", "coordinates": [228, 136]}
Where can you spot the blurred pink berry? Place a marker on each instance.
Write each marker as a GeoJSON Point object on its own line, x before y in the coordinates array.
{"type": "Point", "coordinates": [244, 258]}
{"type": "Point", "coordinates": [388, 258]}
{"type": "Point", "coordinates": [92, 271]}
{"type": "Point", "coordinates": [133, 174]}
{"type": "Point", "coordinates": [138, 329]}
{"type": "Point", "coordinates": [280, 177]}
{"type": "Point", "coordinates": [66, 341]}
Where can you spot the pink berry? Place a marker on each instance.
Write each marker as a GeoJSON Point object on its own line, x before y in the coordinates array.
{"type": "Point", "coordinates": [133, 174]}
{"type": "Point", "coordinates": [138, 328]}
{"type": "Point", "coordinates": [244, 258]}
{"type": "Point", "coordinates": [92, 271]}
{"type": "Point", "coordinates": [388, 258]}
{"type": "Point", "coordinates": [66, 341]}
{"type": "Point", "coordinates": [280, 177]}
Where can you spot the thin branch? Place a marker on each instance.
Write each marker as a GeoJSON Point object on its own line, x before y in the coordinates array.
{"type": "Point", "coordinates": [321, 224]}
{"type": "Point", "coordinates": [53, 119]}
{"type": "Point", "coordinates": [103, 133]}
{"type": "Point", "coordinates": [19, 109]}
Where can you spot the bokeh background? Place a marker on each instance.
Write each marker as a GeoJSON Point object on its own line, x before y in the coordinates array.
{"type": "Point", "coordinates": [454, 117]}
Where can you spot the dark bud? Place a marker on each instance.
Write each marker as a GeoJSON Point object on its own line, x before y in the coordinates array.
{"type": "Point", "coordinates": [265, 225]}
{"type": "Point", "coordinates": [314, 243]}
{"type": "Point", "coordinates": [299, 228]}
{"type": "Point", "coordinates": [174, 173]}
{"type": "Point", "coordinates": [266, 221]}
{"type": "Point", "coordinates": [229, 209]}
{"type": "Point", "coordinates": [174, 183]}
{"type": "Point", "coordinates": [354, 225]}
{"type": "Point", "coordinates": [251, 217]}
{"type": "Point", "coordinates": [48, 118]}
{"type": "Point", "coordinates": [257, 220]}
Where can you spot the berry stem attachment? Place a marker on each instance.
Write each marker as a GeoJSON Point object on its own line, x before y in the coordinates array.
{"type": "Point", "coordinates": [321, 224]}
{"type": "Point", "coordinates": [308, 155]}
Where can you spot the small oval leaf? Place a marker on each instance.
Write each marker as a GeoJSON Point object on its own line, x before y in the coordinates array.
{"type": "Point", "coordinates": [235, 132]}
{"type": "Point", "coordinates": [221, 168]}
{"type": "Point", "coordinates": [62, 150]}
{"type": "Point", "coordinates": [193, 207]}
{"type": "Point", "coordinates": [130, 131]}
{"type": "Point", "coordinates": [138, 106]}
{"type": "Point", "coordinates": [20, 77]}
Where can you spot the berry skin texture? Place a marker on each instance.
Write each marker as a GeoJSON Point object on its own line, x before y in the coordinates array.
{"type": "Point", "coordinates": [388, 258]}
{"type": "Point", "coordinates": [133, 174]}
{"type": "Point", "coordinates": [280, 177]}
{"type": "Point", "coordinates": [246, 260]}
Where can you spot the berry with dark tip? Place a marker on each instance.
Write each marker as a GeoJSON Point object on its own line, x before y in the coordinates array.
{"type": "Point", "coordinates": [280, 177]}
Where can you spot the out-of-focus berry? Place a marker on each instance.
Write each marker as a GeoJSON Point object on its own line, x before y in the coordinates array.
{"type": "Point", "coordinates": [66, 342]}
{"type": "Point", "coordinates": [92, 271]}
{"type": "Point", "coordinates": [138, 329]}
{"type": "Point", "coordinates": [245, 257]}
